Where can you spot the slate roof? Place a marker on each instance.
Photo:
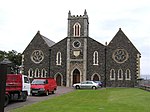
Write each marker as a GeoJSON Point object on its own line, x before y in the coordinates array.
{"type": "Point", "coordinates": [48, 41]}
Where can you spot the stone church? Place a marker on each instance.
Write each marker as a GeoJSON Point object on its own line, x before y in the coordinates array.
{"type": "Point", "coordinates": [79, 57]}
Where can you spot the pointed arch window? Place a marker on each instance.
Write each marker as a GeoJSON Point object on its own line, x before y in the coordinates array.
{"type": "Point", "coordinates": [30, 73]}
{"type": "Point", "coordinates": [120, 74]}
{"type": "Point", "coordinates": [95, 58]}
{"type": "Point", "coordinates": [128, 74]}
{"type": "Point", "coordinates": [43, 73]}
{"type": "Point", "coordinates": [112, 74]}
{"type": "Point", "coordinates": [77, 28]}
{"type": "Point", "coordinates": [58, 58]}
{"type": "Point", "coordinates": [37, 73]}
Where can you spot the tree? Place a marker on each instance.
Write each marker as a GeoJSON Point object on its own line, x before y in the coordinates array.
{"type": "Point", "coordinates": [2, 55]}
{"type": "Point", "coordinates": [13, 56]}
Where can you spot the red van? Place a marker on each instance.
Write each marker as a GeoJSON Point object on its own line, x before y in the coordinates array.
{"type": "Point", "coordinates": [43, 86]}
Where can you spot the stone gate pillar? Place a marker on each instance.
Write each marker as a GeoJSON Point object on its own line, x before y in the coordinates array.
{"type": "Point", "coordinates": [4, 70]}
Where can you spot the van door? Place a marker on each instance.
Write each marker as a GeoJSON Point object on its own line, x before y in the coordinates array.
{"type": "Point", "coordinates": [49, 85]}
{"type": "Point", "coordinates": [26, 84]}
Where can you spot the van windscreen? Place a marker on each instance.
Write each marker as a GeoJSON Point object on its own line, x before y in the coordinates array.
{"type": "Point", "coordinates": [35, 81]}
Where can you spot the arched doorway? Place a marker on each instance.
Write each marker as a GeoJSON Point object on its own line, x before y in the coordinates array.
{"type": "Point", "coordinates": [58, 80]}
{"type": "Point", "coordinates": [76, 76]}
{"type": "Point", "coordinates": [95, 78]}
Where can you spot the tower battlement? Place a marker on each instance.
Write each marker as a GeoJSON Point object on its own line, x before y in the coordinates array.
{"type": "Point", "coordinates": [77, 16]}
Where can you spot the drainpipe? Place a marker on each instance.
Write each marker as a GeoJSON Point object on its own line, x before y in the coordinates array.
{"type": "Point", "coordinates": [105, 62]}
{"type": "Point", "coordinates": [49, 74]}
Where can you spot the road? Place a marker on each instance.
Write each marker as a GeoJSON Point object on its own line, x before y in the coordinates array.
{"type": "Point", "coordinates": [34, 99]}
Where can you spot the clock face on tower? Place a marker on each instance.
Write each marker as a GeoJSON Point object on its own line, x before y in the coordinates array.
{"type": "Point", "coordinates": [76, 44]}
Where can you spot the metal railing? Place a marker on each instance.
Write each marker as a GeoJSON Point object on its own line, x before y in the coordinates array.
{"type": "Point", "coordinates": [144, 84]}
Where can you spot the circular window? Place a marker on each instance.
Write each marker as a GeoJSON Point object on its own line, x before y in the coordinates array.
{"type": "Point", "coordinates": [120, 55]}
{"type": "Point", "coordinates": [37, 56]}
{"type": "Point", "coordinates": [76, 44]}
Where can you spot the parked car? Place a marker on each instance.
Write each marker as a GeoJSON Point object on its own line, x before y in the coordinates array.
{"type": "Point", "coordinates": [100, 83]}
{"type": "Point", "coordinates": [86, 84]}
{"type": "Point", "coordinates": [43, 86]}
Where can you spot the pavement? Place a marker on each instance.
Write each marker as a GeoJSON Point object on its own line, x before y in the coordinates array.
{"type": "Point", "coordinates": [33, 99]}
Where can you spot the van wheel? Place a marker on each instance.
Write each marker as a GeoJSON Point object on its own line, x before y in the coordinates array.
{"type": "Point", "coordinates": [53, 92]}
{"type": "Point", "coordinates": [47, 93]}
{"type": "Point", "coordinates": [6, 100]}
{"type": "Point", "coordinates": [33, 94]}
{"type": "Point", "coordinates": [24, 96]}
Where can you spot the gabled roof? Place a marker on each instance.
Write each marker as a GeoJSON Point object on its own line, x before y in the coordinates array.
{"type": "Point", "coordinates": [47, 41]}
{"type": "Point", "coordinates": [121, 37]}
{"type": "Point", "coordinates": [95, 41]}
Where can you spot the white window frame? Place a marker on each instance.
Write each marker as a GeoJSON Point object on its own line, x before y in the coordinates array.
{"type": "Point", "coordinates": [43, 73]}
{"type": "Point", "coordinates": [95, 58]}
{"type": "Point", "coordinates": [126, 74]}
{"type": "Point", "coordinates": [58, 58]}
{"type": "Point", "coordinates": [112, 71]}
{"type": "Point", "coordinates": [30, 73]}
{"type": "Point", "coordinates": [37, 73]}
{"type": "Point", "coordinates": [120, 71]}
{"type": "Point", "coordinates": [77, 29]}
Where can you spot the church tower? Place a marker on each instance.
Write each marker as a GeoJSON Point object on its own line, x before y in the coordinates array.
{"type": "Point", "coordinates": [78, 31]}
{"type": "Point", "coordinates": [78, 26]}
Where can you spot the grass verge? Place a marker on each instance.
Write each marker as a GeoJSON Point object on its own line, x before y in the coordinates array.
{"type": "Point", "coordinates": [105, 100]}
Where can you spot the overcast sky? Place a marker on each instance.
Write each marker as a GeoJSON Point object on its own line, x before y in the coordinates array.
{"type": "Point", "coordinates": [21, 19]}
